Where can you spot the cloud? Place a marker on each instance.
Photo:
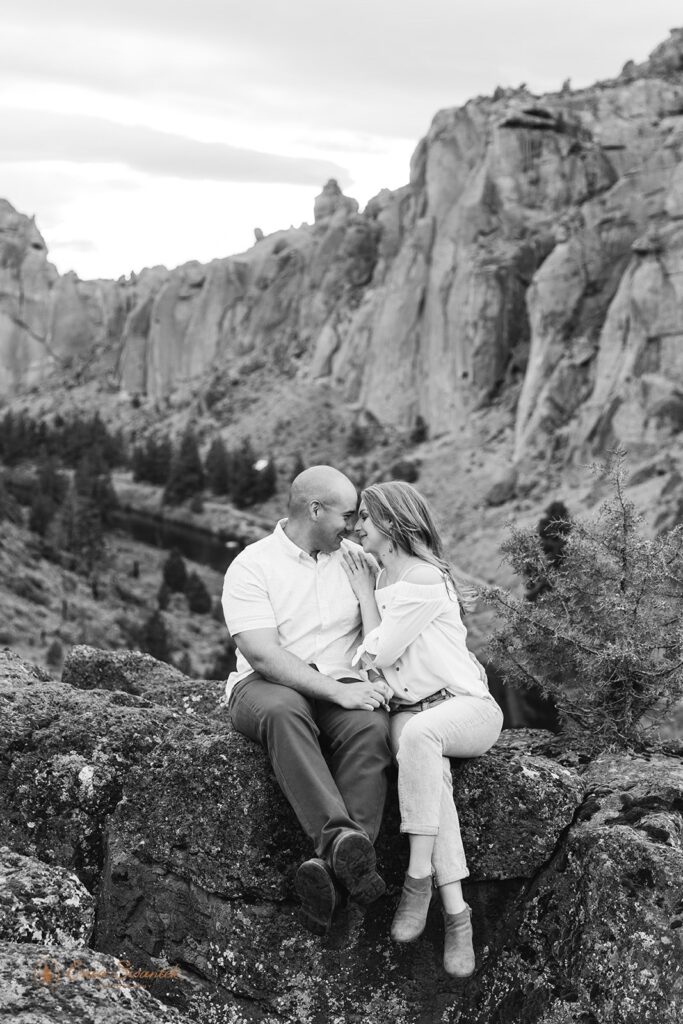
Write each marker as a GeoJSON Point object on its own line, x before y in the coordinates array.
{"type": "Point", "coordinates": [76, 245]}
{"type": "Point", "coordinates": [30, 135]}
{"type": "Point", "coordinates": [379, 67]}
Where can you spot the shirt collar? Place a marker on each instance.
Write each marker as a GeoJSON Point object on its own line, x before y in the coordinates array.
{"type": "Point", "coordinates": [292, 549]}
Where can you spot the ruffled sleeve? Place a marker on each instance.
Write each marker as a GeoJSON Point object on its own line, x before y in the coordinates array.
{"type": "Point", "coordinates": [408, 611]}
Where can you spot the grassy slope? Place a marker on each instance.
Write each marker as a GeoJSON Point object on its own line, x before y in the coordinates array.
{"type": "Point", "coordinates": [41, 602]}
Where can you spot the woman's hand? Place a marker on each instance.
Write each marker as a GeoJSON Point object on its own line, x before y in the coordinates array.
{"type": "Point", "coordinates": [360, 572]}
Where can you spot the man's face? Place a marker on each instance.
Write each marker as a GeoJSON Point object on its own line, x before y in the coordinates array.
{"type": "Point", "coordinates": [335, 520]}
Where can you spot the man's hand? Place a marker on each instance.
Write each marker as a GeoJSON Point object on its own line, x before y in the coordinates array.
{"type": "Point", "coordinates": [362, 696]}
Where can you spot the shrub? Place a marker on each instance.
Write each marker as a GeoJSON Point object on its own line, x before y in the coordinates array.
{"type": "Point", "coordinates": [174, 572]}
{"type": "Point", "coordinates": [405, 469]}
{"type": "Point", "coordinates": [163, 596]}
{"type": "Point", "coordinates": [420, 431]}
{"type": "Point", "coordinates": [198, 597]}
{"type": "Point", "coordinates": [358, 441]}
{"type": "Point", "coordinates": [605, 639]}
{"type": "Point", "coordinates": [184, 664]}
{"type": "Point", "coordinates": [54, 655]}
{"type": "Point", "coordinates": [224, 660]}
{"type": "Point", "coordinates": [154, 637]}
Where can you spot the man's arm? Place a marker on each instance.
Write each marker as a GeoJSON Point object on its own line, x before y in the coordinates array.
{"type": "Point", "coordinates": [262, 649]}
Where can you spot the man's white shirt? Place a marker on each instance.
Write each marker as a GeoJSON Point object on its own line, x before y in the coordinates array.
{"type": "Point", "coordinates": [274, 584]}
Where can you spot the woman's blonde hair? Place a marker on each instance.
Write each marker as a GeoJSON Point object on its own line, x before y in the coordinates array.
{"type": "Point", "coordinates": [403, 515]}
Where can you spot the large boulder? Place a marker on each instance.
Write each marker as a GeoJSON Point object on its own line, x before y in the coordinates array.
{"type": "Point", "coordinates": [599, 936]}
{"type": "Point", "coordinates": [202, 851]}
{"type": "Point", "coordinates": [42, 903]}
{"type": "Point", "coordinates": [575, 874]}
{"type": "Point", "coordinates": [64, 754]}
{"type": "Point", "coordinates": [71, 984]}
{"type": "Point", "coordinates": [88, 668]}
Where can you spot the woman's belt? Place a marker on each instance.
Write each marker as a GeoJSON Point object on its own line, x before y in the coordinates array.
{"type": "Point", "coordinates": [420, 705]}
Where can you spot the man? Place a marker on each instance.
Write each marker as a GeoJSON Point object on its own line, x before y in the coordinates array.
{"type": "Point", "coordinates": [290, 609]}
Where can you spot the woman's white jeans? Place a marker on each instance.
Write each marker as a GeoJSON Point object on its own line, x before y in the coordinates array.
{"type": "Point", "coordinates": [423, 742]}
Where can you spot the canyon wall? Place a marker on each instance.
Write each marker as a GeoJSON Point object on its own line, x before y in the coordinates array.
{"type": "Point", "coordinates": [536, 257]}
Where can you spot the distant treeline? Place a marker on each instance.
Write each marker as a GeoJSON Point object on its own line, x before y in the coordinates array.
{"type": "Point", "coordinates": [64, 442]}
{"type": "Point", "coordinates": [237, 473]}
{"type": "Point", "coordinates": [66, 439]}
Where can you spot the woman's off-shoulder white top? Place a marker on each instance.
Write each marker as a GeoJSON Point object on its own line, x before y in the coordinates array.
{"type": "Point", "coordinates": [420, 646]}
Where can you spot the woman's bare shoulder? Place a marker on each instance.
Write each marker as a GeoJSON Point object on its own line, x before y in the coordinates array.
{"type": "Point", "coordinates": [424, 573]}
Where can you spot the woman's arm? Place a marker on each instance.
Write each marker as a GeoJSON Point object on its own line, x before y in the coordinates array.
{"type": "Point", "coordinates": [361, 575]}
{"type": "Point", "coordinates": [407, 616]}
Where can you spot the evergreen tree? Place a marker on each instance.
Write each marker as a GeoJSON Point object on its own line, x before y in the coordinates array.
{"type": "Point", "coordinates": [216, 466]}
{"type": "Point", "coordinates": [9, 506]}
{"type": "Point", "coordinates": [242, 460]}
{"type": "Point", "coordinates": [41, 513]}
{"type": "Point", "coordinates": [159, 458]}
{"type": "Point", "coordinates": [553, 529]}
{"type": "Point", "coordinates": [420, 431]}
{"type": "Point", "coordinates": [77, 529]}
{"type": "Point", "coordinates": [138, 463]}
{"type": "Point", "coordinates": [92, 481]}
{"type": "Point", "coordinates": [298, 466]}
{"type": "Point", "coordinates": [50, 483]}
{"type": "Point", "coordinates": [151, 461]}
{"type": "Point", "coordinates": [266, 481]}
{"type": "Point", "coordinates": [54, 656]}
{"type": "Point", "coordinates": [154, 637]}
{"type": "Point", "coordinates": [186, 477]}
{"type": "Point", "coordinates": [604, 639]}
{"type": "Point", "coordinates": [79, 525]}
{"type": "Point", "coordinates": [224, 660]}
{"type": "Point", "coordinates": [184, 664]}
{"type": "Point", "coordinates": [198, 598]}
{"type": "Point", "coordinates": [358, 440]}
{"type": "Point", "coordinates": [174, 572]}
{"type": "Point", "coordinates": [251, 481]}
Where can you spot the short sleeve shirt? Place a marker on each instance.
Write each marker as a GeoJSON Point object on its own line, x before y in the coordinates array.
{"type": "Point", "coordinates": [274, 584]}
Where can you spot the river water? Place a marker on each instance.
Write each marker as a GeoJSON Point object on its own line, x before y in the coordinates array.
{"type": "Point", "coordinates": [198, 545]}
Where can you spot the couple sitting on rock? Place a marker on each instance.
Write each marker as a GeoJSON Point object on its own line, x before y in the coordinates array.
{"type": "Point", "coordinates": [340, 667]}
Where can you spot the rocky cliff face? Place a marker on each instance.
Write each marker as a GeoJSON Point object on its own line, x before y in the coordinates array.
{"type": "Point", "coordinates": [535, 256]}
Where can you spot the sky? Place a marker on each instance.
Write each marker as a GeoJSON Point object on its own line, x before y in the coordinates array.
{"type": "Point", "coordinates": [144, 132]}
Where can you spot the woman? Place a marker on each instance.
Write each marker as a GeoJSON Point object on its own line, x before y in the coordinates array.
{"type": "Point", "coordinates": [441, 705]}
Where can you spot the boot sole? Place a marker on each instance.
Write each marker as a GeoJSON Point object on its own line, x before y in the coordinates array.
{"type": "Point", "coordinates": [354, 863]}
{"type": "Point", "coordinates": [315, 888]}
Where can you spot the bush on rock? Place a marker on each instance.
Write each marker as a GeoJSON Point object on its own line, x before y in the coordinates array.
{"type": "Point", "coordinates": [605, 638]}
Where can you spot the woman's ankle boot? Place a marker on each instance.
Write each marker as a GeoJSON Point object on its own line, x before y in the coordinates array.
{"type": "Point", "coordinates": [458, 953]}
{"type": "Point", "coordinates": [411, 914]}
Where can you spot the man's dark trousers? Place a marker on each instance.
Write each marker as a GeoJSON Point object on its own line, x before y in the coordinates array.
{"type": "Point", "coordinates": [350, 791]}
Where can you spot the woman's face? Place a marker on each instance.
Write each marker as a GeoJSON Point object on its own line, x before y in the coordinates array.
{"type": "Point", "coordinates": [372, 539]}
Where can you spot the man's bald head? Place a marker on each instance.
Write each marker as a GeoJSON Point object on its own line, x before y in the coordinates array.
{"type": "Point", "coordinates": [321, 483]}
{"type": "Point", "coordinates": [322, 509]}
